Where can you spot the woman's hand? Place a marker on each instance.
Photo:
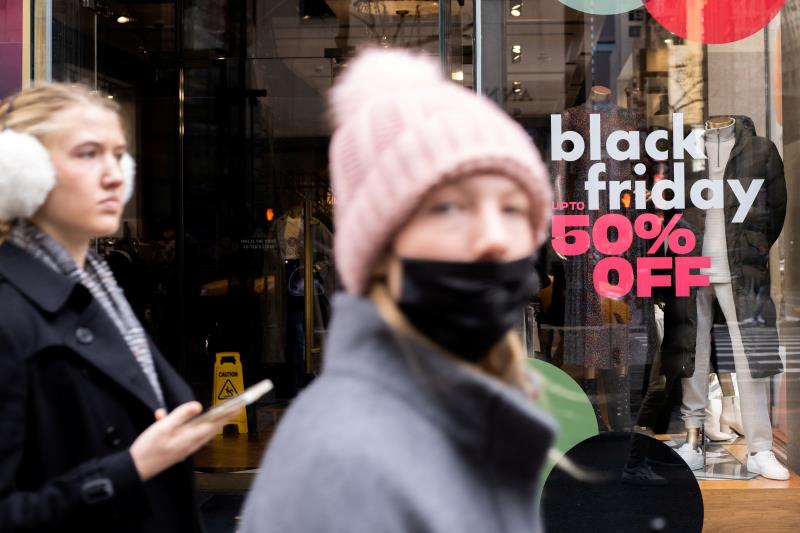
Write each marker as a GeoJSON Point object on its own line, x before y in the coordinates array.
{"type": "Point", "coordinates": [170, 440]}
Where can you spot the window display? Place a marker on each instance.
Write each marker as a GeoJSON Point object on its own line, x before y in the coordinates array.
{"type": "Point", "coordinates": [668, 202]}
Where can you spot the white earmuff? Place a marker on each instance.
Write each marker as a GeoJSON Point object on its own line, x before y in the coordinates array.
{"type": "Point", "coordinates": [128, 165]}
{"type": "Point", "coordinates": [26, 175]}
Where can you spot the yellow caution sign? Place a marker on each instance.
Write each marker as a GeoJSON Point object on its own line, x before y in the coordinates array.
{"type": "Point", "coordinates": [228, 383]}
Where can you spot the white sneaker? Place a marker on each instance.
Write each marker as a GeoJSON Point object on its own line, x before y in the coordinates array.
{"type": "Point", "coordinates": [765, 464]}
{"type": "Point", "coordinates": [692, 456]}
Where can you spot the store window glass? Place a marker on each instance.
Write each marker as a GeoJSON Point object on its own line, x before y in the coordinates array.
{"type": "Point", "coordinates": [257, 202]}
{"type": "Point", "coordinates": [225, 104]}
{"type": "Point", "coordinates": [128, 53]}
{"type": "Point", "coordinates": [663, 128]}
{"type": "Point", "coordinates": [670, 134]}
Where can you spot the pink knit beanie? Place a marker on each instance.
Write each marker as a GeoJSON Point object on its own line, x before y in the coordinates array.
{"type": "Point", "coordinates": [401, 129]}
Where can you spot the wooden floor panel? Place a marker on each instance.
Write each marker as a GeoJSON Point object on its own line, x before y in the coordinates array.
{"type": "Point", "coordinates": [755, 506]}
{"type": "Point", "coordinates": [232, 453]}
{"type": "Point", "coordinates": [749, 506]}
{"type": "Point", "coordinates": [237, 452]}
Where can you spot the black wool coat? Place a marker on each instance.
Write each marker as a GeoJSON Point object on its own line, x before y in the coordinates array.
{"type": "Point", "coordinates": [748, 245]}
{"type": "Point", "coordinates": [72, 401]}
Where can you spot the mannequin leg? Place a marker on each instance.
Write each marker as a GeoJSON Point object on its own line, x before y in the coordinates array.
{"type": "Point", "coordinates": [546, 339]}
{"type": "Point", "coordinates": [557, 357]}
{"type": "Point", "coordinates": [623, 379]}
{"type": "Point", "coordinates": [712, 426]}
{"type": "Point", "coordinates": [752, 391]}
{"type": "Point", "coordinates": [616, 384]}
{"type": "Point", "coordinates": [726, 384]}
{"type": "Point", "coordinates": [589, 386]}
{"type": "Point", "coordinates": [695, 388]}
{"type": "Point", "coordinates": [731, 417]}
{"type": "Point", "coordinates": [693, 437]}
{"type": "Point", "coordinates": [637, 470]}
{"type": "Point", "coordinates": [659, 385]}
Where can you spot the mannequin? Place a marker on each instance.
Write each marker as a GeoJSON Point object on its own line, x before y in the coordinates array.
{"type": "Point", "coordinates": [719, 144]}
{"type": "Point", "coordinates": [598, 331]}
{"type": "Point", "coordinates": [732, 150]}
{"type": "Point", "coordinates": [290, 238]}
{"type": "Point", "coordinates": [292, 241]}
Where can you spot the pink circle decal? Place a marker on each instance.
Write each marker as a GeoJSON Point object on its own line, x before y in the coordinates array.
{"type": "Point", "coordinates": [714, 21]}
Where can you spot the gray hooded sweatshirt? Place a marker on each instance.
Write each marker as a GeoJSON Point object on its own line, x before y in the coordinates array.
{"type": "Point", "coordinates": [396, 437]}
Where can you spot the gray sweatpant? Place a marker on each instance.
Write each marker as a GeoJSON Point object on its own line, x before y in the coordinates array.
{"type": "Point", "coordinates": [752, 391]}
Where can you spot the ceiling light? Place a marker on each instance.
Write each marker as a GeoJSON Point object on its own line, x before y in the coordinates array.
{"type": "Point", "coordinates": [516, 9]}
{"type": "Point", "coordinates": [122, 19]}
{"type": "Point", "coordinates": [458, 75]}
{"type": "Point", "coordinates": [110, 96]}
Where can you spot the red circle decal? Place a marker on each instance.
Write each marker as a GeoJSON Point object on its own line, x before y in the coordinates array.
{"type": "Point", "coordinates": [714, 21]}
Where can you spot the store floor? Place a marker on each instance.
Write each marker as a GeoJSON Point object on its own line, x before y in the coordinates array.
{"type": "Point", "coordinates": [225, 469]}
{"type": "Point", "coordinates": [233, 452]}
{"type": "Point", "coordinates": [758, 504]}
{"type": "Point", "coordinates": [748, 505]}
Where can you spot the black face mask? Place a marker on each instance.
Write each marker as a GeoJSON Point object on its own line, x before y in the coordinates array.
{"type": "Point", "coordinates": [466, 308]}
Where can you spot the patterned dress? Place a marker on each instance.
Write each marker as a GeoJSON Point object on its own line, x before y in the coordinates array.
{"type": "Point", "coordinates": [601, 333]}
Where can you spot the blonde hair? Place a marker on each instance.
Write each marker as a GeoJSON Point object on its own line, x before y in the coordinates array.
{"type": "Point", "coordinates": [32, 110]}
{"type": "Point", "coordinates": [506, 361]}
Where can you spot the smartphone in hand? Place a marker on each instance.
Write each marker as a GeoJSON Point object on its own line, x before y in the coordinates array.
{"type": "Point", "coordinates": [230, 407]}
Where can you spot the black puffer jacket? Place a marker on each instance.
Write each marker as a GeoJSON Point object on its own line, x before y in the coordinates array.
{"type": "Point", "coordinates": [748, 246]}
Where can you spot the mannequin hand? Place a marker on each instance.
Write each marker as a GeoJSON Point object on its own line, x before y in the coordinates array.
{"type": "Point", "coordinates": [169, 440]}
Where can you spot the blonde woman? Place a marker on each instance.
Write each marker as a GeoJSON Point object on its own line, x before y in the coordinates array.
{"type": "Point", "coordinates": [424, 417]}
{"type": "Point", "coordinates": [87, 444]}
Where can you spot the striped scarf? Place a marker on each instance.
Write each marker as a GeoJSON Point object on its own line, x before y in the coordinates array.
{"type": "Point", "coordinates": [96, 276]}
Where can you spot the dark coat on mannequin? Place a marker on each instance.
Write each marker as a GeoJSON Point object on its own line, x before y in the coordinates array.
{"type": "Point", "coordinates": [72, 401]}
{"type": "Point", "coordinates": [748, 245]}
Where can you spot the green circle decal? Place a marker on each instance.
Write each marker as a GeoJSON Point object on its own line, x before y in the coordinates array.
{"type": "Point", "coordinates": [603, 7]}
{"type": "Point", "coordinates": [566, 402]}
